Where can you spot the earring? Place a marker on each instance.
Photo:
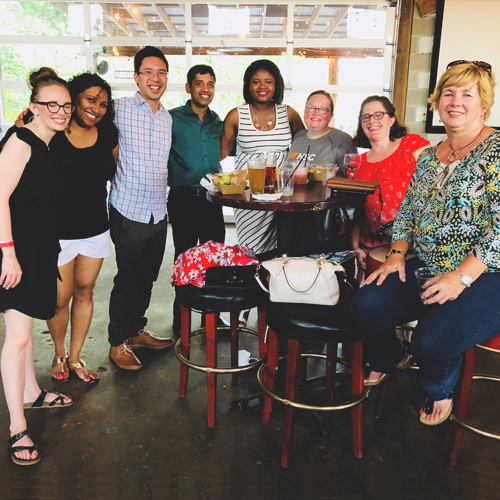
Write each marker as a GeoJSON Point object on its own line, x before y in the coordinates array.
{"type": "Point", "coordinates": [34, 124]}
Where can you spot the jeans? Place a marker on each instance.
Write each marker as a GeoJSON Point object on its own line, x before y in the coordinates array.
{"type": "Point", "coordinates": [443, 332]}
{"type": "Point", "coordinates": [139, 251]}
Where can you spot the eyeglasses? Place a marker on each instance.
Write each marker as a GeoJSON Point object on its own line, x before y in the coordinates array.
{"type": "Point", "coordinates": [480, 64]}
{"type": "Point", "coordinates": [378, 115]}
{"type": "Point", "coordinates": [148, 72]}
{"type": "Point", "coordinates": [53, 107]}
{"type": "Point", "coordinates": [312, 109]}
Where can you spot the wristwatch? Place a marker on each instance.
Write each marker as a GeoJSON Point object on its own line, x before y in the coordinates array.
{"type": "Point", "coordinates": [465, 279]}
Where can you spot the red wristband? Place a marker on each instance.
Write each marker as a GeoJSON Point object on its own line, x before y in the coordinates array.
{"type": "Point", "coordinates": [5, 244]}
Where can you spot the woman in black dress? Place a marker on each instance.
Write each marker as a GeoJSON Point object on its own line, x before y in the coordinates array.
{"type": "Point", "coordinates": [29, 183]}
{"type": "Point", "coordinates": [86, 154]}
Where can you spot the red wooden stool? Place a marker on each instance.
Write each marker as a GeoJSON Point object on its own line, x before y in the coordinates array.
{"type": "Point", "coordinates": [461, 402]}
{"type": "Point", "coordinates": [211, 301]}
{"type": "Point", "coordinates": [300, 323]}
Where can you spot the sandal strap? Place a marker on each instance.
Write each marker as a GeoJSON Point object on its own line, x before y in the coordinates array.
{"type": "Point", "coordinates": [16, 437]}
{"type": "Point", "coordinates": [31, 449]}
{"type": "Point", "coordinates": [58, 360]}
{"type": "Point", "coordinates": [40, 399]}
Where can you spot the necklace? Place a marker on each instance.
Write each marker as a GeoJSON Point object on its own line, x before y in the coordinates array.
{"type": "Point", "coordinates": [256, 119]}
{"type": "Point", "coordinates": [452, 156]}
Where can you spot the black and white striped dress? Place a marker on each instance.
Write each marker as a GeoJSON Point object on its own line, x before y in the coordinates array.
{"type": "Point", "coordinates": [258, 228]}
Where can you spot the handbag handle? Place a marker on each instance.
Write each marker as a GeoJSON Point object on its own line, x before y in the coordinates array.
{"type": "Point", "coordinates": [257, 277]}
{"type": "Point", "coordinates": [303, 291]}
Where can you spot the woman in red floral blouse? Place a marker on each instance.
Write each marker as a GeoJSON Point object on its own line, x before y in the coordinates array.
{"type": "Point", "coordinates": [390, 160]}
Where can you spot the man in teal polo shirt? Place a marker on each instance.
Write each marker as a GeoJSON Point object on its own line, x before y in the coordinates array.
{"type": "Point", "coordinates": [195, 152]}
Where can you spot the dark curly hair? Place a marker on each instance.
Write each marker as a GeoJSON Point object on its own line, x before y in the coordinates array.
{"type": "Point", "coordinates": [267, 65]}
{"type": "Point", "coordinates": [397, 130]}
{"type": "Point", "coordinates": [84, 81]}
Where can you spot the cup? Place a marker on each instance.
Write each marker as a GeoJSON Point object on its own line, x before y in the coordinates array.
{"type": "Point", "coordinates": [329, 170]}
{"type": "Point", "coordinates": [300, 176]}
{"type": "Point", "coordinates": [256, 175]}
{"type": "Point", "coordinates": [352, 161]}
{"type": "Point", "coordinates": [285, 180]}
{"type": "Point", "coordinates": [424, 274]}
{"type": "Point", "coordinates": [271, 161]}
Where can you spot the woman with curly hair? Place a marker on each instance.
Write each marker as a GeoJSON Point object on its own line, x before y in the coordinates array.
{"type": "Point", "coordinates": [86, 153]}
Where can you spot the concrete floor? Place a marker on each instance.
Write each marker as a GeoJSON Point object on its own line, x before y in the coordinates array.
{"type": "Point", "coordinates": [131, 436]}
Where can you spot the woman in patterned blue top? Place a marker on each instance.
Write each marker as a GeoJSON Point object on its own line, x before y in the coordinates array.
{"type": "Point", "coordinates": [450, 219]}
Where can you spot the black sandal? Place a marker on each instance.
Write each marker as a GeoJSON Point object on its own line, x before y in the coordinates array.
{"type": "Point", "coordinates": [15, 449]}
{"type": "Point", "coordinates": [41, 403]}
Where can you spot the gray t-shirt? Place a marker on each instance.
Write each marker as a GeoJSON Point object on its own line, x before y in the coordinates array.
{"type": "Point", "coordinates": [330, 148]}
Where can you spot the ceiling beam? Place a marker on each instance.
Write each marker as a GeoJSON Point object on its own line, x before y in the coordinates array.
{"type": "Point", "coordinates": [334, 23]}
{"type": "Point", "coordinates": [108, 28]}
{"type": "Point", "coordinates": [141, 20]}
{"type": "Point", "coordinates": [121, 23]}
{"type": "Point", "coordinates": [194, 29]}
{"type": "Point", "coordinates": [263, 21]}
{"type": "Point", "coordinates": [312, 20]}
{"type": "Point", "coordinates": [165, 19]}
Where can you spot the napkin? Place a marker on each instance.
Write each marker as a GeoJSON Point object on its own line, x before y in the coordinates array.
{"type": "Point", "coordinates": [208, 186]}
{"type": "Point", "coordinates": [267, 196]}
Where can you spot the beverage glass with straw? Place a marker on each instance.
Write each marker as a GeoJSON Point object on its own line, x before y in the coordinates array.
{"type": "Point", "coordinates": [299, 163]}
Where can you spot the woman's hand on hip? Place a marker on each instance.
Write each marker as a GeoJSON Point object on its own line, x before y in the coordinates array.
{"type": "Point", "coordinates": [393, 264]}
{"type": "Point", "coordinates": [11, 271]}
{"type": "Point", "coordinates": [443, 288]}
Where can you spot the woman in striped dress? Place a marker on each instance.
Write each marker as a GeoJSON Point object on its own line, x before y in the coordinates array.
{"type": "Point", "coordinates": [262, 125]}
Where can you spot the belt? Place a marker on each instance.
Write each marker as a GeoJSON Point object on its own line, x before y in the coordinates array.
{"type": "Point", "coordinates": [186, 190]}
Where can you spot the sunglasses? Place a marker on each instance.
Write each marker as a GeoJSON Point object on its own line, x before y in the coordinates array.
{"type": "Point", "coordinates": [480, 64]}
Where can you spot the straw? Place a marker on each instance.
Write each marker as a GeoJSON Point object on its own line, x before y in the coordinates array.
{"type": "Point", "coordinates": [298, 165]}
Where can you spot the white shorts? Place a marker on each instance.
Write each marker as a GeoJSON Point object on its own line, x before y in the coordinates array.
{"type": "Point", "coordinates": [97, 247]}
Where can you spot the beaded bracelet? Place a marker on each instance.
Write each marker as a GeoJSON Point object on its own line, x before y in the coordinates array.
{"type": "Point", "coordinates": [394, 251]}
{"type": "Point", "coordinates": [5, 244]}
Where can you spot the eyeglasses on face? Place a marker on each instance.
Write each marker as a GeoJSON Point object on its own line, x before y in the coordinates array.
{"type": "Point", "coordinates": [162, 73]}
{"type": "Point", "coordinates": [378, 115]}
{"type": "Point", "coordinates": [53, 107]}
{"type": "Point", "coordinates": [321, 110]}
{"type": "Point", "coordinates": [480, 64]}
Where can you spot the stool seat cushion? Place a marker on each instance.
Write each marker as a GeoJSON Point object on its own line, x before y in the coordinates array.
{"type": "Point", "coordinates": [311, 323]}
{"type": "Point", "coordinates": [215, 299]}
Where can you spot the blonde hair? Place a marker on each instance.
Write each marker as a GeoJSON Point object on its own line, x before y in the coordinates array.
{"type": "Point", "coordinates": [464, 74]}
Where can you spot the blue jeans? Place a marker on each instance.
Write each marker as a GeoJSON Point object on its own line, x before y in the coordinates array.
{"type": "Point", "coordinates": [443, 332]}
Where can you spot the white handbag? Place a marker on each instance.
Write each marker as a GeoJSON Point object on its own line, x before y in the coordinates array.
{"type": "Point", "coordinates": [302, 280]}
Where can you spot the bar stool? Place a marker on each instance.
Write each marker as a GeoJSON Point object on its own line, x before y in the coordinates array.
{"type": "Point", "coordinates": [300, 323]}
{"type": "Point", "coordinates": [461, 402]}
{"type": "Point", "coordinates": [212, 300]}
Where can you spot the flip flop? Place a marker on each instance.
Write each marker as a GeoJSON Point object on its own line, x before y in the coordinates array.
{"type": "Point", "coordinates": [41, 403]}
{"type": "Point", "coordinates": [81, 364]}
{"type": "Point", "coordinates": [60, 360]}
{"type": "Point", "coordinates": [14, 449]}
{"type": "Point", "coordinates": [428, 408]}
{"type": "Point", "coordinates": [382, 378]}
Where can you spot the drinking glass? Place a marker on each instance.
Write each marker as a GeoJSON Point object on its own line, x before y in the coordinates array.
{"type": "Point", "coordinates": [329, 170]}
{"type": "Point", "coordinates": [352, 161]}
{"type": "Point", "coordinates": [285, 180]}
{"type": "Point", "coordinates": [424, 274]}
{"type": "Point", "coordinates": [271, 160]}
{"type": "Point", "coordinates": [256, 175]}
{"type": "Point", "coordinates": [300, 176]}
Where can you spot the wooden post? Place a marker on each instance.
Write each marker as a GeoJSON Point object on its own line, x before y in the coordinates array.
{"type": "Point", "coordinates": [403, 58]}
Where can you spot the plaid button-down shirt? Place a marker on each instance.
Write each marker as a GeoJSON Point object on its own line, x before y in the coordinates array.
{"type": "Point", "coordinates": [139, 189]}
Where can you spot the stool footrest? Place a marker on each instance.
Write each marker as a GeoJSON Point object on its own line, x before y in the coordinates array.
{"type": "Point", "coordinates": [207, 369]}
{"type": "Point", "coordinates": [343, 406]}
{"type": "Point", "coordinates": [474, 428]}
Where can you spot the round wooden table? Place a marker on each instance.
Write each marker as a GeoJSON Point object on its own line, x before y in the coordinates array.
{"type": "Point", "coordinates": [312, 196]}
{"type": "Point", "coordinates": [306, 197]}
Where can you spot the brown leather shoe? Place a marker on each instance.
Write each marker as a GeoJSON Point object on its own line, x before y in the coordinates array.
{"type": "Point", "coordinates": [123, 356]}
{"type": "Point", "coordinates": [147, 339]}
